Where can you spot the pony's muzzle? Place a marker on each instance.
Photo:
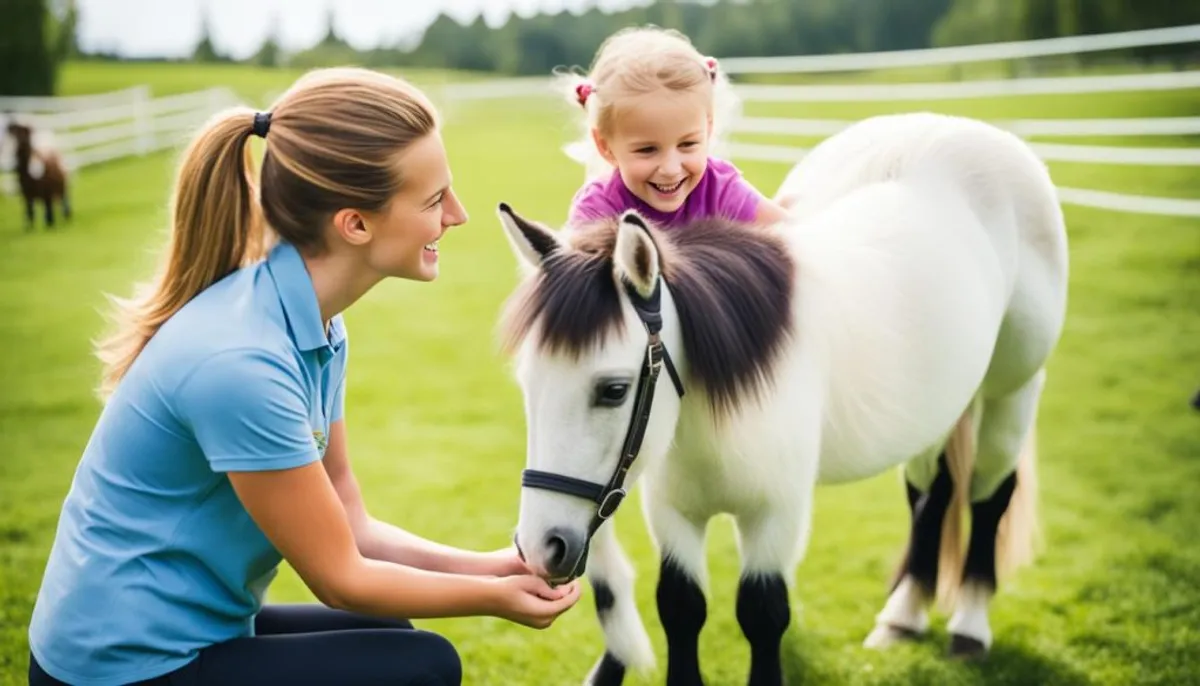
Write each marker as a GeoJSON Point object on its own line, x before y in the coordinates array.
{"type": "Point", "coordinates": [565, 554]}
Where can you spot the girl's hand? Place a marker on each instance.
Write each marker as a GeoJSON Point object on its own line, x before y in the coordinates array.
{"type": "Point", "coordinates": [529, 600]}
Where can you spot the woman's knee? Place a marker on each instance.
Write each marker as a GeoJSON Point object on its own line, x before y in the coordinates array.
{"type": "Point", "coordinates": [442, 658]}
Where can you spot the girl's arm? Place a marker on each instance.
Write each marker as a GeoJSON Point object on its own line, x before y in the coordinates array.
{"type": "Point", "coordinates": [769, 212]}
{"type": "Point", "coordinates": [379, 540]}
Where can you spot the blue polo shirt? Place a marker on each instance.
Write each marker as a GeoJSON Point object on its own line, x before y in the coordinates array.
{"type": "Point", "coordinates": [155, 557]}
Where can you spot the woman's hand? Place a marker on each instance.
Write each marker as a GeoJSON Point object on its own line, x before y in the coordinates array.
{"type": "Point", "coordinates": [503, 562]}
{"type": "Point", "coordinates": [529, 600]}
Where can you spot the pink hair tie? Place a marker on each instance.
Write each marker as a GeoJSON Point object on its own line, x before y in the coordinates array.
{"type": "Point", "coordinates": [711, 63]}
{"type": "Point", "coordinates": [582, 91]}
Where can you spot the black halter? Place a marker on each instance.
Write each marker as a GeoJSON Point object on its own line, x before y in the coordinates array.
{"type": "Point", "coordinates": [609, 496]}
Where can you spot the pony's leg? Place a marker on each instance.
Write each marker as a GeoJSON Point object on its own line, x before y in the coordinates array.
{"type": "Point", "coordinates": [29, 201]}
{"type": "Point", "coordinates": [1003, 483]}
{"type": "Point", "coordinates": [48, 201]}
{"type": "Point", "coordinates": [626, 642]}
{"type": "Point", "coordinates": [905, 616]}
{"type": "Point", "coordinates": [682, 606]}
{"type": "Point", "coordinates": [772, 542]}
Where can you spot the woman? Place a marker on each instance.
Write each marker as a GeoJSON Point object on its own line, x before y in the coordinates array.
{"type": "Point", "coordinates": [221, 449]}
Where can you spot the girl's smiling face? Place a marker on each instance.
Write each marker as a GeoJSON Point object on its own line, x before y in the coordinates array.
{"type": "Point", "coordinates": [660, 143]}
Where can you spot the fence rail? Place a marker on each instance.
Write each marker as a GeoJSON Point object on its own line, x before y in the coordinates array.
{"type": "Point", "coordinates": [91, 129]}
{"type": "Point", "coordinates": [958, 90]}
{"type": "Point", "coordinates": [927, 92]}
{"type": "Point", "coordinates": [1149, 126]}
{"type": "Point", "coordinates": [963, 54]}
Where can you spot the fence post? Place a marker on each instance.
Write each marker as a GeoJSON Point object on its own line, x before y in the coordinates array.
{"type": "Point", "coordinates": [143, 122]}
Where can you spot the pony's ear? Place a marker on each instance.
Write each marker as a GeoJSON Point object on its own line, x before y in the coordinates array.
{"type": "Point", "coordinates": [532, 242]}
{"type": "Point", "coordinates": [636, 256]}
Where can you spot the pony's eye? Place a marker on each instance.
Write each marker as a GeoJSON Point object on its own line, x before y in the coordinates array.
{"type": "Point", "coordinates": [611, 393]}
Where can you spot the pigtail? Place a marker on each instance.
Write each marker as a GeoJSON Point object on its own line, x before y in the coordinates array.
{"type": "Point", "coordinates": [579, 91]}
{"type": "Point", "coordinates": [727, 108]}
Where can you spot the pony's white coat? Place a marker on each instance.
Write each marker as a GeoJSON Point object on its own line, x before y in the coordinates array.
{"type": "Point", "coordinates": [930, 286]}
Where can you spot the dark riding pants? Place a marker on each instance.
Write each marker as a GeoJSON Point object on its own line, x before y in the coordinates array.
{"type": "Point", "coordinates": [302, 645]}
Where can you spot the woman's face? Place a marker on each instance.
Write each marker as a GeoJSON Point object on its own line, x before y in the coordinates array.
{"type": "Point", "coordinates": [405, 234]}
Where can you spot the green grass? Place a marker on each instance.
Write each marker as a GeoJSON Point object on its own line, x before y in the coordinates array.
{"type": "Point", "coordinates": [437, 432]}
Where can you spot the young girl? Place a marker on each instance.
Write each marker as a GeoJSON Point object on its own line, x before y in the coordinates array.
{"type": "Point", "coordinates": [222, 449]}
{"type": "Point", "coordinates": [652, 104]}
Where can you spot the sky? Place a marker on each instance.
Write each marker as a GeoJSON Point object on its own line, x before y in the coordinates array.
{"type": "Point", "coordinates": [150, 28]}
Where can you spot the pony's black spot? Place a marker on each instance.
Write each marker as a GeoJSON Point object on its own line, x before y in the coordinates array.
{"type": "Point", "coordinates": [980, 566]}
{"type": "Point", "coordinates": [763, 613]}
{"type": "Point", "coordinates": [731, 284]}
{"type": "Point", "coordinates": [683, 609]}
{"type": "Point", "coordinates": [604, 597]}
{"type": "Point", "coordinates": [925, 537]}
{"type": "Point", "coordinates": [610, 671]}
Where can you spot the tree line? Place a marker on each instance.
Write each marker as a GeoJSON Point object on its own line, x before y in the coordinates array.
{"type": "Point", "coordinates": [42, 32]}
{"type": "Point", "coordinates": [738, 28]}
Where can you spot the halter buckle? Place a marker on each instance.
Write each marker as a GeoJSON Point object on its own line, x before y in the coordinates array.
{"type": "Point", "coordinates": [610, 503]}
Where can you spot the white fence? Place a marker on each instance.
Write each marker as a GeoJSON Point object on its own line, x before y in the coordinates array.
{"type": "Point", "coordinates": [928, 92]}
{"type": "Point", "coordinates": [96, 128]}
{"type": "Point", "coordinates": [90, 129]}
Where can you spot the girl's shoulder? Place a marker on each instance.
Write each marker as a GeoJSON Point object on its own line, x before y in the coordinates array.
{"type": "Point", "coordinates": [598, 198]}
{"type": "Point", "coordinates": [727, 192]}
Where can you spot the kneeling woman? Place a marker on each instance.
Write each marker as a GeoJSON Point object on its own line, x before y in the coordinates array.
{"type": "Point", "coordinates": [221, 449]}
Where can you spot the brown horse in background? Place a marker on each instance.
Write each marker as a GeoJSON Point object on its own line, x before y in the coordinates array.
{"type": "Point", "coordinates": [42, 175]}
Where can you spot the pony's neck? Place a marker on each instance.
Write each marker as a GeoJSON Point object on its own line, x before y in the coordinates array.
{"type": "Point", "coordinates": [24, 156]}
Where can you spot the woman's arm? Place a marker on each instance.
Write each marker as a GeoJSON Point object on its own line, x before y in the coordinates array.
{"type": "Point", "coordinates": [300, 513]}
{"type": "Point", "coordinates": [248, 412]}
{"type": "Point", "coordinates": [379, 540]}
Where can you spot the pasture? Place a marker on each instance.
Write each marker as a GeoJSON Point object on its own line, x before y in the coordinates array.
{"type": "Point", "coordinates": [437, 430]}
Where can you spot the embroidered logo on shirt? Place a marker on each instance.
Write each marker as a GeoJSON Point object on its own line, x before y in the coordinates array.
{"type": "Point", "coordinates": [319, 437]}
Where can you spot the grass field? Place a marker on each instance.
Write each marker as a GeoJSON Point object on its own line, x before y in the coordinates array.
{"type": "Point", "coordinates": [437, 431]}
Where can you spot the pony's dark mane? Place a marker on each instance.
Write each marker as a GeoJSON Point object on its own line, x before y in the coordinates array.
{"type": "Point", "coordinates": [731, 285]}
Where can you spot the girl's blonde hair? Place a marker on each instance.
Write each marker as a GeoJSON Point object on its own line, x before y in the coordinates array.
{"type": "Point", "coordinates": [332, 141]}
{"type": "Point", "coordinates": [635, 61]}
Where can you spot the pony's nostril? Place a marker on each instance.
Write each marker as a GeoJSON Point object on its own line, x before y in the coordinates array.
{"type": "Point", "coordinates": [557, 548]}
{"type": "Point", "coordinates": [563, 550]}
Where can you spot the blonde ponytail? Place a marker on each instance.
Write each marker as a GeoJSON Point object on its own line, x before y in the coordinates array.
{"type": "Point", "coordinates": [216, 227]}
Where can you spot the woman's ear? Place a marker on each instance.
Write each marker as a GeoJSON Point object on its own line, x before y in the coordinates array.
{"type": "Point", "coordinates": [352, 226]}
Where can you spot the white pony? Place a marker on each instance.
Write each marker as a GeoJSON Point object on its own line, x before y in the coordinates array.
{"type": "Point", "coordinates": [903, 317]}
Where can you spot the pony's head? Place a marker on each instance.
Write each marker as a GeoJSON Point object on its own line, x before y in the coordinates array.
{"type": "Point", "coordinates": [594, 336]}
{"type": "Point", "coordinates": [21, 133]}
{"type": "Point", "coordinates": [610, 319]}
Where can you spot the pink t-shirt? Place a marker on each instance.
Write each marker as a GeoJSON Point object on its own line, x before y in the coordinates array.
{"type": "Point", "coordinates": [721, 192]}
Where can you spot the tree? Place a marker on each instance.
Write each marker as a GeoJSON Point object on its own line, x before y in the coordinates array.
{"type": "Point", "coordinates": [268, 52]}
{"type": "Point", "coordinates": [29, 56]}
{"type": "Point", "coordinates": [205, 50]}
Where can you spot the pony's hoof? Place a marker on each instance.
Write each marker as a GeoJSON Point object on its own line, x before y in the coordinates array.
{"type": "Point", "coordinates": [887, 635]}
{"type": "Point", "coordinates": [967, 648]}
